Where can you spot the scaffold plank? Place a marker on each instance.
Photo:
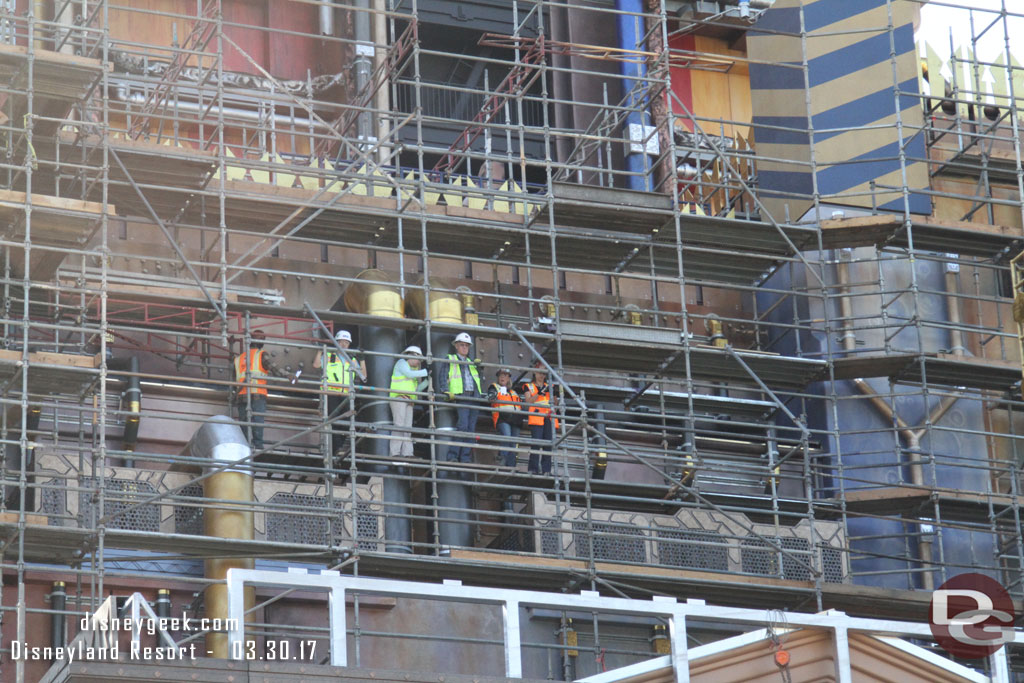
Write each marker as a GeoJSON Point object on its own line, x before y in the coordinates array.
{"type": "Point", "coordinates": [968, 506]}
{"type": "Point", "coordinates": [707, 363]}
{"type": "Point", "coordinates": [48, 372]}
{"type": "Point", "coordinates": [58, 81]}
{"type": "Point", "coordinates": [167, 174]}
{"type": "Point", "coordinates": [55, 221]}
{"type": "Point", "coordinates": [939, 368]}
{"type": "Point", "coordinates": [956, 237]}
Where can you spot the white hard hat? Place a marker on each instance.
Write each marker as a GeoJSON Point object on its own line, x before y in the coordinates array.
{"type": "Point", "coordinates": [463, 337]}
{"type": "Point", "coordinates": [413, 349]}
{"type": "Point", "coordinates": [343, 335]}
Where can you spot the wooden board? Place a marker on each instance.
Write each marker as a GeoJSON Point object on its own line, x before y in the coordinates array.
{"type": "Point", "coordinates": [12, 518]}
{"type": "Point", "coordinates": [56, 221]}
{"type": "Point", "coordinates": [48, 372]}
{"type": "Point", "coordinates": [58, 81]}
{"type": "Point", "coordinates": [939, 368]}
{"type": "Point", "coordinates": [930, 234]}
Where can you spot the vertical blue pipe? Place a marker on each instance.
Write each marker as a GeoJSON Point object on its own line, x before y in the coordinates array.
{"type": "Point", "coordinates": [631, 28]}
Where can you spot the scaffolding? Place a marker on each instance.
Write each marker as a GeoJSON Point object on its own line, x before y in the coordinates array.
{"type": "Point", "coordinates": [759, 407]}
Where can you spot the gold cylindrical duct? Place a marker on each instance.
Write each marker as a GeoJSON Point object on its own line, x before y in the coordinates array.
{"type": "Point", "coordinates": [716, 332]}
{"type": "Point", "coordinates": [547, 306]}
{"type": "Point", "coordinates": [469, 314]}
{"type": "Point", "coordinates": [633, 314]}
{"type": "Point", "coordinates": [570, 639]}
{"type": "Point", "coordinates": [230, 516]}
{"type": "Point", "coordinates": [374, 293]}
{"type": "Point", "coordinates": [227, 521]}
{"type": "Point", "coordinates": [659, 640]}
{"type": "Point", "coordinates": [444, 307]}
{"type": "Point", "coordinates": [39, 12]}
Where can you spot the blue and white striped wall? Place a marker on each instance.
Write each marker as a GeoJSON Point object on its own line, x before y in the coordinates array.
{"type": "Point", "coordinates": [851, 85]}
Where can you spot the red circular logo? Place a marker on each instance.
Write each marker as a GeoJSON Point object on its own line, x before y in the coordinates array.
{"type": "Point", "coordinates": [971, 616]}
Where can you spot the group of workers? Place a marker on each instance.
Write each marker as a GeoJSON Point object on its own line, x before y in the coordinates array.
{"type": "Point", "coordinates": [458, 380]}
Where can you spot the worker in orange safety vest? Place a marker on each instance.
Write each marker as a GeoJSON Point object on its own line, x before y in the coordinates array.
{"type": "Point", "coordinates": [251, 371]}
{"type": "Point", "coordinates": [507, 415]}
{"type": "Point", "coordinates": [537, 395]}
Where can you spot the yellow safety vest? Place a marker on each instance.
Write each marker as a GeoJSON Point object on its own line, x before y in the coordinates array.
{"type": "Point", "coordinates": [339, 373]}
{"type": "Point", "coordinates": [402, 386]}
{"type": "Point", "coordinates": [455, 375]}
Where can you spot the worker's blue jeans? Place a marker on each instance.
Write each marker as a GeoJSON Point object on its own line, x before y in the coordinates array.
{"type": "Point", "coordinates": [508, 456]}
{"type": "Point", "coordinates": [259, 408]}
{"type": "Point", "coordinates": [467, 410]}
{"type": "Point", "coordinates": [540, 463]}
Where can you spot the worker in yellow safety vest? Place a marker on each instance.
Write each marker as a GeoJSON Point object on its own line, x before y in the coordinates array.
{"type": "Point", "coordinates": [537, 394]}
{"type": "Point", "coordinates": [460, 380]}
{"type": "Point", "coordinates": [407, 380]}
{"type": "Point", "coordinates": [251, 371]}
{"type": "Point", "coordinates": [339, 377]}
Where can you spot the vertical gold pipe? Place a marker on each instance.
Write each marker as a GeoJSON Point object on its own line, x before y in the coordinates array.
{"type": "Point", "coordinates": [235, 522]}
{"type": "Point", "coordinates": [39, 12]}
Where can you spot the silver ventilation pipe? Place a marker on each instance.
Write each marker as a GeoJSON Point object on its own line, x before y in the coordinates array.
{"type": "Point", "coordinates": [327, 18]}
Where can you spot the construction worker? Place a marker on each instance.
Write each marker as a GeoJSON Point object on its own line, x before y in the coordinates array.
{"type": "Point", "coordinates": [251, 371]}
{"type": "Point", "coordinates": [407, 380]}
{"type": "Point", "coordinates": [507, 414]}
{"type": "Point", "coordinates": [460, 380]}
{"type": "Point", "coordinates": [339, 378]}
{"type": "Point", "coordinates": [537, 394]}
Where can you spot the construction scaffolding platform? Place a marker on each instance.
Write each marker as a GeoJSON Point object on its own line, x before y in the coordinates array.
{"type": "Point", "coordinates": [921, 502]}
{"type": "Point", "coordinates": [962, 238]}
{"type": "Point", "coordinates": [47, 372]}
{"type": "Point", "coordinates": [939, 368]}
{"type": "Point", "coordinates": [56, 81]}
{"type": "Point", "coordinates": [196, 200]}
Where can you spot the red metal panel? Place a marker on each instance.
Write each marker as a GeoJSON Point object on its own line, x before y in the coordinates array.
{"type": "Point", "coordinates": [253, 41]}
{"type": "Point", "coordinates": [682, 85]}
{"type": "Point", "coordinates": [290, 55]}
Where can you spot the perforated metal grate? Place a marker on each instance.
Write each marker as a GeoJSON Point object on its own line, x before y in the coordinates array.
{"type": "Point", "coordinates": [53, 502]}
{"type": "Point", "coordinates": [550, 541]}
{"type": "Point", "coordinates": [120, 505]}
{"type": "Point", "coordinates": [757, 557]}
{"type": "Point", "coordinates": [295, 526]}
{"type": "Point", "coordinates": [611, 542]}
{"type": "Point", "coordinates": [188, 519]}
{"type": "Point", "coordinates": [367, 527]}
{"type": "Point", "coordinates": [693, 549]}
{"type": "Point", "coordinates": [791, 568]}
{"type": "Point", "coordinates": [832, 564]}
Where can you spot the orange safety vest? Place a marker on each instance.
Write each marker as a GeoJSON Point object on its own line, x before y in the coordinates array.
{"type": "Point", "coordinates": [257, 373]}
{"type": "Point", "coordinates": [502, 405]}
{"type": "Point", "coordinates": [541, 408]}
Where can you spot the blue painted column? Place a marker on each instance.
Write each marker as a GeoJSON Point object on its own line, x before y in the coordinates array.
{"type": "Point", "coordinates": [631, 28]}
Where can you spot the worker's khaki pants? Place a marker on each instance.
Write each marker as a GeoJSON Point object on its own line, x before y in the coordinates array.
{"type": "Point", "coordinates": [401, 416]}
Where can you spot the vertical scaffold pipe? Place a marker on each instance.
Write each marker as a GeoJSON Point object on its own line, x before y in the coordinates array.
{"type": "Point", "coordinates": [375, 293]}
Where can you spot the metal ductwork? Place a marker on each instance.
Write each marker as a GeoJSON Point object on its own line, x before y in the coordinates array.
{"type": "Point", "coordinates": [220, 442]}
{"type": "Point", "coordinates": [58, 603]}
{"type": "Point", "coordinates": [13, 458]}
{"type": "Point", "coordinates": [363, 65]}
{"type": "Point", "coordinates": [131, 402]}
{"type": "Point", "coordinates": [443, 305]}
{"type": "Point", "coordinates": [326, 15]}
{"type": "Point", "coordinates": [375, 293]}
{"type": "Point", "coordinates": [600, 442]}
